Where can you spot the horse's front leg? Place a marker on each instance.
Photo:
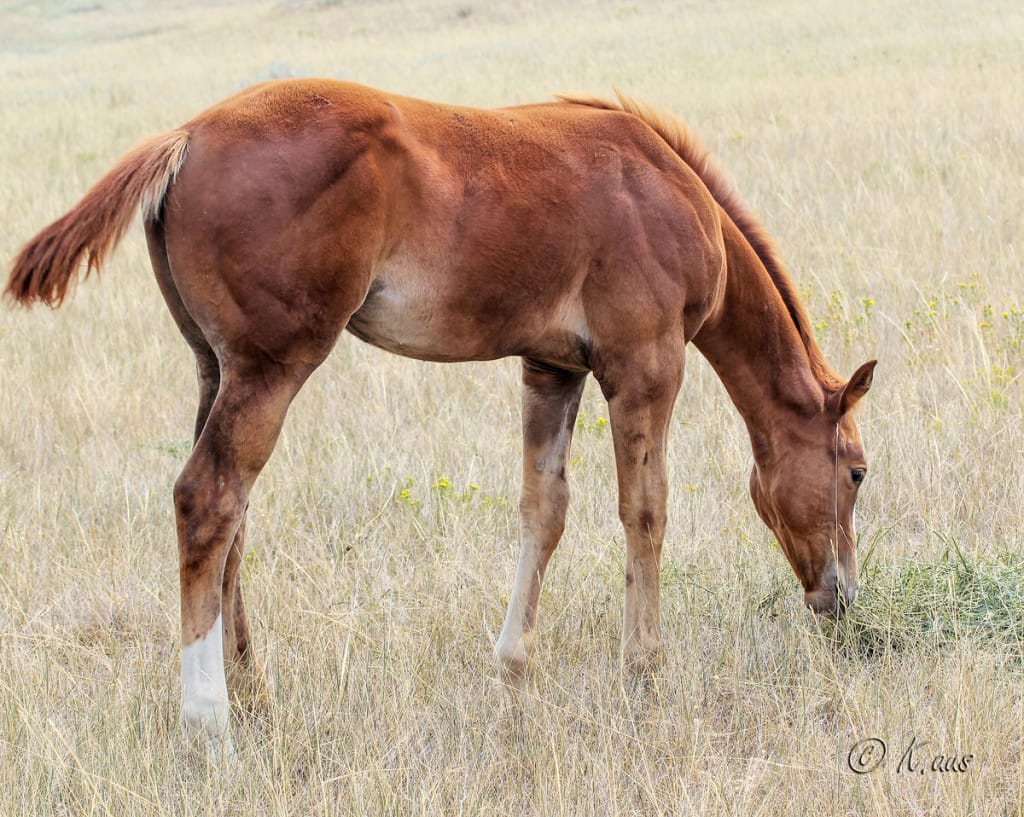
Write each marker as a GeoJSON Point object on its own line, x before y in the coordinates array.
{"type": "Point", "coordinates": [642, 393]}
{"type": "Point", "coordinates": [551, 399]}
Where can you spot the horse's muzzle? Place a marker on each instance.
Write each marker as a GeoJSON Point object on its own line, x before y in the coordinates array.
{"type": "Point", "coordinates": [831, 602]}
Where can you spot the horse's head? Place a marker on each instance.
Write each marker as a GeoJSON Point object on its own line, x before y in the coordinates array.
{"type": "Point", "coordinates": [804, 485]}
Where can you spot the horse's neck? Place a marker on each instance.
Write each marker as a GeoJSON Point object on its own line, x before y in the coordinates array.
{"type": "Point", "coordinates": [753, 344]}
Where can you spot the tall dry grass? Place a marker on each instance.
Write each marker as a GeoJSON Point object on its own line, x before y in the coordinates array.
{"type": "Point", "coordinates": [883, 148]}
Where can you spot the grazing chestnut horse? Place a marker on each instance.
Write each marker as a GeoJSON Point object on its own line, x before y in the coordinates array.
{"type": "Point", "coordinates": [582, 236]}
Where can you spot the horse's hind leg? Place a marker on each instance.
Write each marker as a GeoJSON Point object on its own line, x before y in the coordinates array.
{"type": "Point", "coordinates": [246, 680]}
{"type": "Point", "coordinates": [210, 499]}
{"type": "Point", "coordinates": [641, 393]}
{"type": "Point", "coordinates": [245, 677]}
{"type": "Point", "coordinates": [551, 399]}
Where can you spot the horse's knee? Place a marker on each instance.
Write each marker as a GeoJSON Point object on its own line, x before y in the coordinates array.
{"type": "Point", "coordinates": [545, 506]}
{"type": "Point", "coordinates": [645, 520]}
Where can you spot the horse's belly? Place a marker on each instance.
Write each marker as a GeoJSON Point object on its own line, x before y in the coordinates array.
{"type": "Point", "coordinates": [447, 310]}
{"type": "Point", "coordinates": [417, 321]}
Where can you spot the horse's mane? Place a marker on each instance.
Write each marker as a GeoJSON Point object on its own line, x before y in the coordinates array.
{"type": "Point", "coordinates": [689, 148]}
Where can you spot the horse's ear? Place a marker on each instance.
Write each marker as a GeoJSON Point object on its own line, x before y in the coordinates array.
{"type": "Point", "coordinates": [856, 387]}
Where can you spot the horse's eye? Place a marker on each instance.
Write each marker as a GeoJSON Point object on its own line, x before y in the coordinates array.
{"type": "Point", "coordinates": [857, 475]}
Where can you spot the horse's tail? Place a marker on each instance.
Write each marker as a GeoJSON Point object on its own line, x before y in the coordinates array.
{"type": "Point", "coordinates": [46, 266]}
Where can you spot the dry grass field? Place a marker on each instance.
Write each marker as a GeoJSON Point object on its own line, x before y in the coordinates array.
{"type": "Point", "coordinates": [883, 146]}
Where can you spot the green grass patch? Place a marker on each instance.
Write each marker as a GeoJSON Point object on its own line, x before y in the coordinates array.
{"type": "Point", "coordinates": [938, 603]}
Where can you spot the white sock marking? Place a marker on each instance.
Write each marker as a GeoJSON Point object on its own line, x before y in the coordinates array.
{"type": "Point", "coordinates": [204, 690]}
